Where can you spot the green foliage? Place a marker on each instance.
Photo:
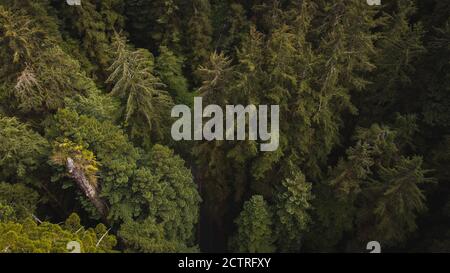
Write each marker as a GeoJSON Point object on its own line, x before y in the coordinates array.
{"type": "Point", "coordinates": [92, 25]}
{"type": "Point", "coordinates": [95, 104]}
{"type": "Point", "coordinates": [30, 237]}
{"type": "Point", "coordinates": [356, 153]}
{"type": "Point", "coordinates": [198, 32]}
{"type": "Point", "coordinates": [21, 200]}
{"type": "Point", "coordinates": [148, 237]}
{"type": "Point", "coordinates": [145, 105]}
{"type": "Point", "coordinates": [41, 74]}
{"type": "Point", "coordinates": [83, 159]}
{"type": "Point", "coordinates": [215, 74]}
{"type": "Point", "coordinates": [254, 233]}
{"type": "Point", "coordinates": [169, 69]}
{"type": "Point", "coordinates": [156, 23]}
{"type": "Point", "coordinates": [22, 150]}
{"type": "Point", "coordinates": [402, 199]}
{"type": "Point", "coordinates": [307, 71]}
{"type": "Point", "coordinates": [384, 185]}
{"type": "Point", "coordinates": [293, 203]}
{"type": "Point", "coordinates": [44, 85]}
{"type": "Point", "coordinates": [170, 193]}
{"type": "Point", "coordinates": [399, 47]}
{"type": "Point", "coordinates": [112, 149]}
{"type": "Point", "coordinates": [17, 33]}
{"type": "Point", "coordinates": [436, 79]}
{"type": "Point", "coordinates": [169, 201]}
{"type": "Point", "coordinates": [230, 25]}
{"type": "Point", "coordinates": [161, 189]}
{"type": "Point", "coordinates": [7, 213]}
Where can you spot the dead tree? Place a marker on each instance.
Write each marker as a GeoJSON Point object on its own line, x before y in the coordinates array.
{"type": "Point", "coordinates": [88, 189]}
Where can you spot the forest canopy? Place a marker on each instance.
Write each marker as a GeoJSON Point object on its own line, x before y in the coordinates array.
{"type": "Point", "coordinates": [86, 153]}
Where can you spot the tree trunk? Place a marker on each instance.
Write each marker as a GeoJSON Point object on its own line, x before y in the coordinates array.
{"type": "Point", "coordinates": [88, 189]}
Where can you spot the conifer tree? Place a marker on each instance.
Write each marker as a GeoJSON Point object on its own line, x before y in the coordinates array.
{"type": "Point", "coordinates": [113, 152]}
{"type": "Point", "coordinates": [45, 237]}
{"type": "Point", "coordinates": [93, 25]}
{"type": "Point", "coordinates": [21, 199]}
{"type": "Point", "coordinates": [22, 152]}
{"type": "Point", "coordinates": [169, 194]}
{"type": "Point", "coordinates": [18, 41]}
{"type": "Point", "coordinates": [198, 32]}
{"type": "Point", "coordinates": [41, 75]}
{"type": "Point", "coordinates": [230, 24]}
{"type": "Point", "coordinates": [399, 47]}
{"type": "Point", "coordinates": [157, 23]}
{"type": "Point", "coordinates": [254, 228]}
{"type": "Point", "coordinates": [135, 187]}
{"type": "Point", "coordinates": [148, 237]}
{"type": "Point", "coordinates": [145, 105]}
{"type": "Point", "coordinates": [292, 215]}
{"type": "Point", "coordinates": [402, 199]}
{"type": "Point", "coordinates": [384, 182]}
{"type": "Point", "coordinates": [169, 68]}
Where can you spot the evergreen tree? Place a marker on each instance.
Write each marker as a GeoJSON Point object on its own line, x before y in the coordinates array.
{"type": "Point", "coordinates": [45, 237]}
{"type": "Point", "coordinates": [385, 185]}
{"type": "Point", "coordinates": [230, 24]}
{"type": "Point", "coordinates": [93, 25]}
{"type": "Point", "coordinates": [112, 150]}
{"type": "Point", "coordinates": [22, 152]}
{"type": "Point", "coordinates": [292, 216]}
{"type": "Point", "coordinates": [41, 75]}
{"type": "Point", "coordinates": [169, 68]}
{"type": "Point", "coordinates": [399, 47]}
{"type": "Point", "coordinates": [135, 187]}
{"type": "Point", "coordinates": [156, 23]}
{"type": "Point", "coordinates": [169, 195]}
{"type": "Point", "coordinates": [254, 234]}
{"type": "Point", "coordinates": [148, 237]}
{"type": "Point", "coordinates": [21, 199]}
{"type": "Point", "coordinates": [402, 200]}
{"type": "Point", "coordinates": [145, 105]}
{"type": "Point", "coordinates": [198, 32]}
